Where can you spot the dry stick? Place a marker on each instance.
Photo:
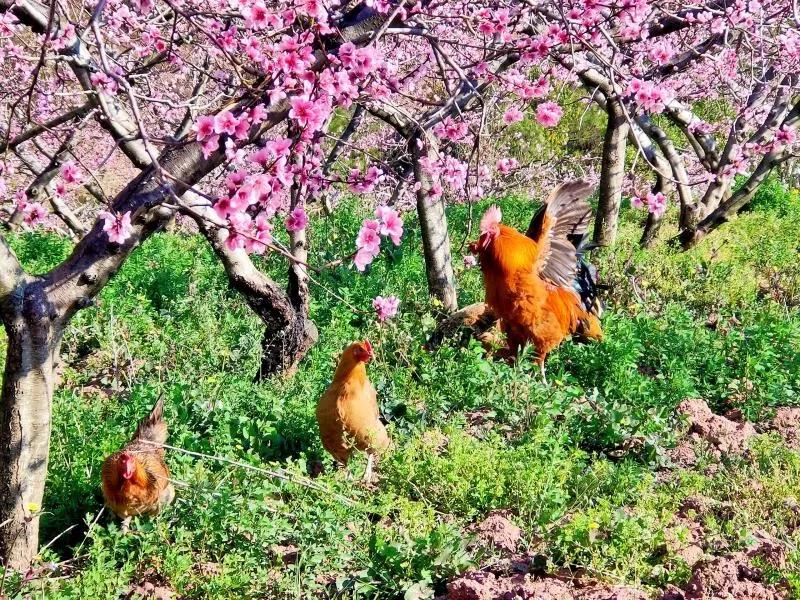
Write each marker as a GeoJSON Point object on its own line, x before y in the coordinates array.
{"type": "Point", "coordinates": [277, 474]}
{"type": "Point", "coordinates": [89, 530]}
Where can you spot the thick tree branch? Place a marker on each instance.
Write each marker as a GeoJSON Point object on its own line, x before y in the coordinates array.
{"type": "Point", "coordinates": [95, 259]}
{"type": "Point", "coordinates": [43, 186]}
{"type": "Point", "coordinates": [612, 174]}
{"type": "Point", "coordinates": [11, 271]}
{"type": "Point", "coordinates": [691, 236]}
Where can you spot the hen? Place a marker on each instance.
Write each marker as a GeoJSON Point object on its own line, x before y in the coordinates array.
{"type": "Point", "coordinates": [136, 479]}
{"type": "Point", "coordinates": [538, 284]}
{"type": "Point", "coordinates": [348, 413]}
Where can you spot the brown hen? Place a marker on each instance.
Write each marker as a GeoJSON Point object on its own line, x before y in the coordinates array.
{"type": "Point", "coordinates": [348, 414]}
{"type": "Point", "coordinates": [136, 479]}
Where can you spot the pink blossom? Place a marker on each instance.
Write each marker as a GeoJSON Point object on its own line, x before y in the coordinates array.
{"type": "Point", "coordinates": [391, 223]}
{"type": "Point", "coordinates": [204, 127]}
{"type": "Point", "coordinates": [513, 115]}
{"type": "Point", "coordinates": [435, 192]}
{"type": "Point", "coordinates": [548, 114]}
{"type": "Point", "coordinates": [454, 172]}
{"type": "Point", "coordinates": [262, 234]}
{"type": "Point", "coordinates": [225, 122]}
{"type": "Point", "coordinates": [34, 214]}
{"type": "Point", "coordinates": [470, 261]}
{"type": "Point", "coordinates": [233, 240]}
{"type": "Point", "coordinates": [209, 146]}
{"type": "Point", "coordinates": [653, 98]}
{"type": "Point", "coordinates": [118, 227]}
{"type": "Point", "coordinates": [279, 148]}
{"type": "Point", "coordinates": [361, 184]}
{"type": "Point", "coordinates": [363, 257]}
{"type": "Point", "coordinates": [369, 236]}
{"type": "Point", "coordinates": [656, 203]}
{"type": "Point", "coordinates": [306, 113]}
{"type": "Point", "coordinates": [70, 173]}
{"type": "Point", "coordinates": [449, 129]}
{"type": "Point", "coordinates": [312, 8]}
{"type": "Point", "coordinates": [257, 114]}
{"type": "Point", "coordinates": [256, 16]}
{"type": "Point", "coordinates": [386, 307]}
{"type": "Point", "coordinates": [506, 165]}
{"type": "Point", "coordinates": [297, 219]}
{"type": "Point", "coordinates": [638, 201]}
{"type": "Point", "coordinates": [104, 83]}
{"type": "Point", "coordinates": [224, 207]}
{"type": "Point", "coordinates": [242, 128]}
{"type": "Point", "coordinates": [786, 135]}
{"type": "Point", "coordinates": [143, 6]}
{"type": "Point", "coordinates": [66, 36]}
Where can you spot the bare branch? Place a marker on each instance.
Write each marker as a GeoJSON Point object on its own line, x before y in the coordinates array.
{"type": "Point", "coordinates": [116, 120]}
{"type": "Point", "coordinates": [36, 130]}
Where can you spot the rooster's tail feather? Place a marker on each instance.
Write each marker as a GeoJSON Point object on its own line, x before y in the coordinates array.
{"type": "Point", "coordinates": [153, 428]}
{"type": "Point", "coordinates": [586, 278]}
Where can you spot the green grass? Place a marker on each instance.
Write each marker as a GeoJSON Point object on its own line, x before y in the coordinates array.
{"type": "Point", "coordinates": [580, 463]}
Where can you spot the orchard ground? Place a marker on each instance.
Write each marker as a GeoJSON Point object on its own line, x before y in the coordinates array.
{"type": "Point", "coordinates": [587, 467]}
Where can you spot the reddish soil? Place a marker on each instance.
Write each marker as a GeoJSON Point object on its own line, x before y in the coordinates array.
{"type": "Point", "coordinates": [497, 531]}
{"type": "Point", "coordinates": [480, 585]}
{"type": "Point", "coordinates": [724, 434]}
{"type": "Point", "coordinates": [727, 577]}
{"type": "Point", "coordinates": [787, 423]}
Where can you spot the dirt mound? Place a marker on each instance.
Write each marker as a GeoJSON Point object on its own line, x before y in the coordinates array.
{"type": "Point", "coordinates": [480, 585]}
{"type": "Point", "coordinates": [497, 531]}
{"type": "Point", "coordinates": [150, 584]}
{"type": "Point", "coordinates": [725, 435]}
{"type": "Point", "coordinates": [787, 423]}
{"type": "Point", "coordinates": [728, 577]}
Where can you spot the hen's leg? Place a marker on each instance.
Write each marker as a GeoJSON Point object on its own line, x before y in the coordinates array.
{"type": "Point", "coordinates": [126, 525]}
{"type": "Point", "coordinates": [541, 369]}
{"type": "Point", "coordinates": [368, 472]}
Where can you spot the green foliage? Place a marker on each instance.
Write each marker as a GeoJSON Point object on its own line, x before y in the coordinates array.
{"type": "Point", "coordinates": [580, 463]}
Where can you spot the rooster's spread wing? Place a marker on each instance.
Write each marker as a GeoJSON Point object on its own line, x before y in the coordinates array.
{"type": "Point", "coordinates": [566, 213]}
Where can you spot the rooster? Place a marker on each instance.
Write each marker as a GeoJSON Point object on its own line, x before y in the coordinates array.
{"type": "Point", "coordinates": [136, 479]}
{"type": "Point", "coordinates": [348, 413]}
{"type": "Point", "coordinates": [538, 284]}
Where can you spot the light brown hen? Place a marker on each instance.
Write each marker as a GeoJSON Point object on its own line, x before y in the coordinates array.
{"type": "Point", "coordinates": [348, 414]}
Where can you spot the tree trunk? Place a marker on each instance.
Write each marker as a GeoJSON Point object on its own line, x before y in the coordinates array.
{"type": "Point", "coordinates": [651, 229]}
{"type": "Point", "coordinates": [611, 175]}
{"type": "Point", "coordinates": [289, 334]}
{"type": "Point", "coordinates": [34, 337]}
{"type": "Point", "coordinates": [435, 237]}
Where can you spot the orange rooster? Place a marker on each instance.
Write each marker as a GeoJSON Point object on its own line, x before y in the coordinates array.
{"type": "Point", "coordinates": [537, 284]}
{"type": "Point", "coordinates": [348, 414]}
{"type": "Point", "coordinates": [136, 479]}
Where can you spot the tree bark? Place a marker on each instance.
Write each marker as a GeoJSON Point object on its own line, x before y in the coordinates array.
{"type": "Point", "coordinates": [34, 336]}
{"type": "Point", "coordinates": [433, 226]}
{"type": "Point", "coordinates": [611, 175]}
